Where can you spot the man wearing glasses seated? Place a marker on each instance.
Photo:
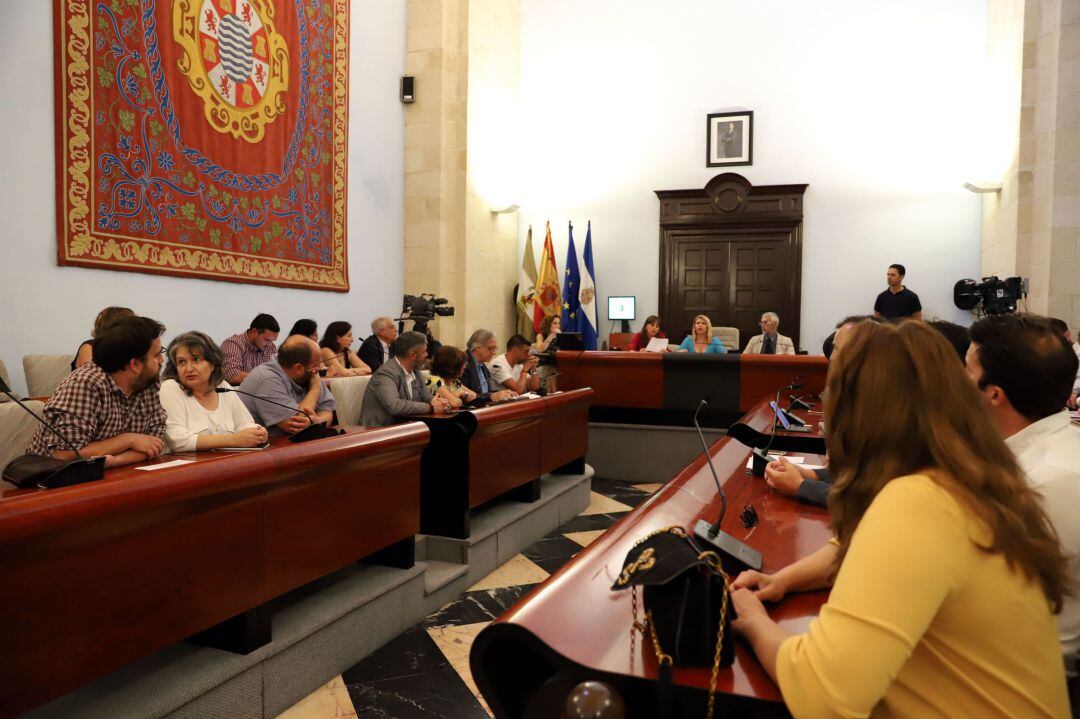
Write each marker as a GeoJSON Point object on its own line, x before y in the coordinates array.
{"type": "Point", "coordinates": [770, 341]}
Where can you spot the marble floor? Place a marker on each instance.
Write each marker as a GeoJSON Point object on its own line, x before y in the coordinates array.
{"type": "Point", "coordinates": [425, 671]}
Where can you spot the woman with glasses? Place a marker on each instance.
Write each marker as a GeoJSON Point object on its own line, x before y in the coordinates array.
{"type": "Point", "coordinates": [945, 569]}
{"type": "Point", "coordinates": [198, 417]}
{"type": "Point", "coordinates": [701, 340]}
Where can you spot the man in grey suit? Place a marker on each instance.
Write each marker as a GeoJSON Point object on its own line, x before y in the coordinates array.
{"type": "Point", "coordinates": [396, 390]}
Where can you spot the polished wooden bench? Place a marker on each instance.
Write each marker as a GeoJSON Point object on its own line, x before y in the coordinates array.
{"type": "Point", "coordinates": [573, 628]}
{"type": "Point", "coordinates": [501, 450]}
{"type": "Point", "coordinates": [98, 575]}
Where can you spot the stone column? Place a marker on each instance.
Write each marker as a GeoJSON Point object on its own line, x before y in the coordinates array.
{"type": "Point", "coordinates": [1043, 242]}
{"type": "Point", "coordinates": [464, 56]}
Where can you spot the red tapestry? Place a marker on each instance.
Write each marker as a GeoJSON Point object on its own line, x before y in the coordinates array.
{"type": "Point", "coordinates": [204, 138]}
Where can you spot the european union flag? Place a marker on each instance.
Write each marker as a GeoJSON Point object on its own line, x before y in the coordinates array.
{"type": "Point", "coordinates": [571, 305]}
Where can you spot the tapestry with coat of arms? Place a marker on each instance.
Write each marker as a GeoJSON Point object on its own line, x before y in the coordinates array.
{"type": "Point", "coordinates": [204, 138]}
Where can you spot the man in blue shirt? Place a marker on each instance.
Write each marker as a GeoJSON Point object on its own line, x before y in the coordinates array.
{"type": "Point", "coordinates": [293, 380]}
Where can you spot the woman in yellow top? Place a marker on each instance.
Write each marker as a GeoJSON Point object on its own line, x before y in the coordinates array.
{"type": "Point", "coordinates": [945, 570]}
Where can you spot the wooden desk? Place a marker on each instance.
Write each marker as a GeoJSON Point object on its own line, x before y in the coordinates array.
{"type": "Point", "coordinates": [573, 627]}
{"type": "Point", "coordinates": [98, 575]}
{"type": "Point", "coordinates": [501, 450]}
{"type": "Point", "coordinates": [665, 388]}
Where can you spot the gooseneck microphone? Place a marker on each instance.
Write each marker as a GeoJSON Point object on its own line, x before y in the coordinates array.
{"type": "Point", "coordinates": [48, 472]}
{"type": "Point", "coordinates": [295, 410]}
{"type": "Point", "coordinates": [734, 555]}
{"type": "Point", "coordinates": [314, 430]}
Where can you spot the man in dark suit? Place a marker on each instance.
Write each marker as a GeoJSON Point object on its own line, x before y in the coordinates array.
{"type": "Point", "coordinates": [375, 350]}
{"type": "Point", "coordinates": [480, 349]}
{"type": "Point", "coordinates": [396, 390]}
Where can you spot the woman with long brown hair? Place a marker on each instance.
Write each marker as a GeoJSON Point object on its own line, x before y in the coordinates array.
{"type": "Point", "coordinates": [945, 569]}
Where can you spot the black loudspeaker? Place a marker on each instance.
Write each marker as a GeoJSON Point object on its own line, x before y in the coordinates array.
{"type": "Point", "coordinates": [407, 84]}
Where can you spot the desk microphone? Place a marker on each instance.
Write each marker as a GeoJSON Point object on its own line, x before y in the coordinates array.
{"type": "Point", "coordinates": [734, 555]}
{"type": "Point", "coordinates": [543, 383]}
{"type": "Point", "coordinates": [312, 431]}
{"type": "Point", "coordinates": [48, 472]}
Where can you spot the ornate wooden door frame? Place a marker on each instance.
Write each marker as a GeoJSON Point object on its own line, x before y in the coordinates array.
{"type": "Point", "coordinates": [729, 203]}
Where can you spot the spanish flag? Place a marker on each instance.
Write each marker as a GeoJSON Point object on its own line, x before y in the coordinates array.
{"type": "Point", "coordinates": [548, 300]}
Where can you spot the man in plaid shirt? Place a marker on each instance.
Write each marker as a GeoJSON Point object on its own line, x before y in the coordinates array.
{"type": "Point", "coordinates": [247, 350]}
{"type": "Point", "coordinates": [110, 406]}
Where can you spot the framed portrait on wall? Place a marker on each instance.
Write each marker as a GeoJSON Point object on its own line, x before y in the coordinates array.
{"type": "Point", "coordinates": [729, 139]}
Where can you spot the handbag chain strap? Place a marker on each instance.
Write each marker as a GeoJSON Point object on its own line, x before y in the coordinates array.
{"type": "Point", "coordinates": [712, 560]}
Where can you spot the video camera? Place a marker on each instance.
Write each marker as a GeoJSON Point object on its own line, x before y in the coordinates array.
{"type": "Point", "coordinates": [422, 309]}
{"type": "Point", "coordinates": [990, 295]}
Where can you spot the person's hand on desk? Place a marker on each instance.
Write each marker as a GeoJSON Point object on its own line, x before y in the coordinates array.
{"type": "Point", "coordinates": [439, 406]}
{"type": "Point", "coordinates": [503, 395]}
{"type": "Point", "coordinates": [467, 395]}
{"type": "Point", "coordinates": [250, 437]}
{"type": "Point", "coordinates": [296, 423]}
{"type": "Point", "coordinates": [765, 587]}
{"type": "Point", "coordinates": [146, 444]}
{"type": "Point", "coordinates": [786, 478]}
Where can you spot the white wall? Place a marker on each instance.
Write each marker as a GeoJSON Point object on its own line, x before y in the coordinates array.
{"type": "Point", "coordinates": [875, 104]}
{"type": "Point", "coordinates": [49, 309]}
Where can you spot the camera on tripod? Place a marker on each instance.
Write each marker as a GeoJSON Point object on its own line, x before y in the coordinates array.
{"type": "Point", "coordinates": [990, 295]}
{"type": "Point", "coordinates": [422, 309]}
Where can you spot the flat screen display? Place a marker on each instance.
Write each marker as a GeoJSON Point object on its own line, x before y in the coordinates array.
{"type": "Point", "coordinates": [621, 308]}
{"type": "Point", "coordinates": [780, 416]}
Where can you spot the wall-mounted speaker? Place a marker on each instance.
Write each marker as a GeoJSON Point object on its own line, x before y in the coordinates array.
{"type": "Point", "coordinates": [407, 84]}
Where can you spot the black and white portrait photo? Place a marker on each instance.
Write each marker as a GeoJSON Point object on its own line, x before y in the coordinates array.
{"type": "Point", "coordinates": [729, 139]}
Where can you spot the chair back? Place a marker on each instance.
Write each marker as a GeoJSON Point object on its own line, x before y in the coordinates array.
{"type": "Point", "coordinates": [7, 380]}
{"type": "Point", "coordinates": [17, 428]}
{"type": "Point", "coordinates": [44, 373]}
{"type": "Point", "coordinates": [620, 340]}
{"type": "Point", "coordinates": [729, 336]}
{"type": "Point", "coordinates": [349, 397]}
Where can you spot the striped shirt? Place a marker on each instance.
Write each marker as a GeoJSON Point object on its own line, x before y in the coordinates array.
{"type": "Point", "coordinates": [241, 355]}
{"type": "Point", "coordinates": [89, 406]}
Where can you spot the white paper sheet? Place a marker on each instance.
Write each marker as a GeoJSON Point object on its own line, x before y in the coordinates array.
{"type": "Point", "coordinates": [657, 344]}
{"type": "Point", "coordinates": [165, 465]}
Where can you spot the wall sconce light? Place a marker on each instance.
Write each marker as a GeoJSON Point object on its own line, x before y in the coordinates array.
{"type": "Point", "coordinates": [505, 210]}
{"type": "Point", "coordinates": [982, 188]}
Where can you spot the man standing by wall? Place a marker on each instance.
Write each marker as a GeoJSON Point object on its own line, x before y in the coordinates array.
{"type": "Point", "coordinates": [897, 301]}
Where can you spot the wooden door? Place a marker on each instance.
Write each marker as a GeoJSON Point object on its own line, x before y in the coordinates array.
{"type": "Point", "coordinates": [731, 252]}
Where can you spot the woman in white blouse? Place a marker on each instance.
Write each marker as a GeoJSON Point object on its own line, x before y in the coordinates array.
{"type": "Point", "coordinates": [198, 417]}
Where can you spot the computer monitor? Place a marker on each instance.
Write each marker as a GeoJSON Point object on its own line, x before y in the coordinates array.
{"type": "Point", "coordinates": [569, 341]}
{"type": "Point", "coordinates": [621, 308]}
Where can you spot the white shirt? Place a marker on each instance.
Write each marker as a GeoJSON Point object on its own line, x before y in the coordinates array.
{"type": "Point", "coordinates": [385, 350]}
{"type": "Point", "coordinates": [408, 378]}
{"type": "Point", "coordinates": [1049, 453]}
{"type": "Point", "coordinates": [502, 371]}
{"type": "Point", "coordinates": [1076, 384]}
{"type": "Point", "coordinates": [187, 419]}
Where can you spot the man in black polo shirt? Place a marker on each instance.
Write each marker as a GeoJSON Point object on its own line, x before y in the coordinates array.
{"type": "Point", "coordinates": [898, 301]}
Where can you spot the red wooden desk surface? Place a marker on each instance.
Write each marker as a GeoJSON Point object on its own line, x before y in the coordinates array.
{"type": "Point", "coordinates": [578, 618]}
{"type": "Point", "coordinates": [98, 575]}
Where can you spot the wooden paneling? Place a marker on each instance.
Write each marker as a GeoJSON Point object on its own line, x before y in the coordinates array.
{"type": "Point", "coordinates": [98, 575]}
{"type": "Point", "coordinates": [730, 251]}
{"type": "Point", "coordinates": [504, 452]}
{"type": "Point", "coordinates": [762, 375]}
{"type": "Point", "coordinates": [618, 379]}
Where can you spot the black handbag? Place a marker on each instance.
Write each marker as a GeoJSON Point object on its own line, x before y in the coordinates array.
{"type": "Point", "coordinates": [685, 594]}
{"type": "Point", "coordinates": [31, 470]}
